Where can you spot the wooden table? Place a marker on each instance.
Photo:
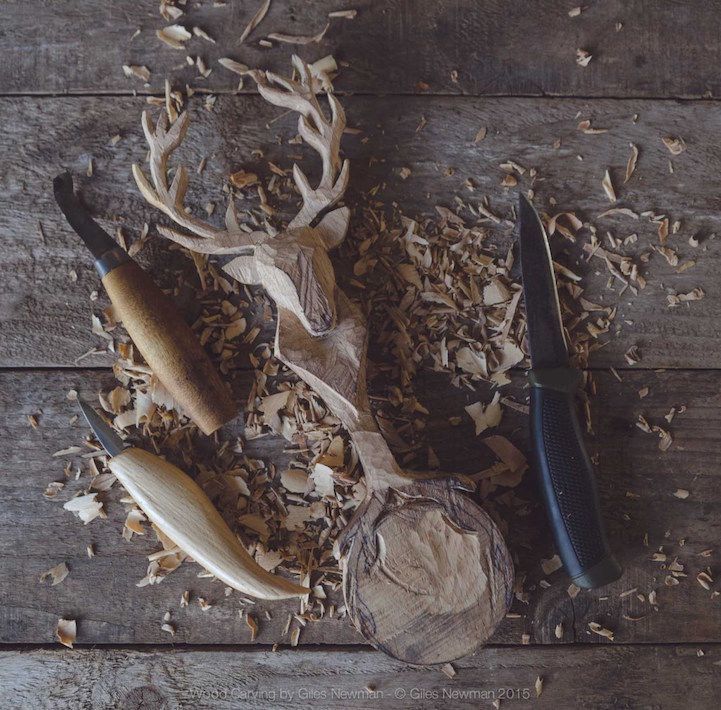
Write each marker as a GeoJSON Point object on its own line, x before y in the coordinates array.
{"type": "Point", "coordinates": [450, 67]}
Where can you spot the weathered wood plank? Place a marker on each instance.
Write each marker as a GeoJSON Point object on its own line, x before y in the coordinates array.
{"type": "Point", "coordinates": [45, 314]}
{"type": "Point", "coordinates": [637, 486]}
{"type": "Point", "coordinates": [665, 677]}
{"type": "Point", "coordinates": [404, 46]}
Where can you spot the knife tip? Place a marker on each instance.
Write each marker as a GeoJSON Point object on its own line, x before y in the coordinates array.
{"type": "Point", "coordinates": [63, 184]}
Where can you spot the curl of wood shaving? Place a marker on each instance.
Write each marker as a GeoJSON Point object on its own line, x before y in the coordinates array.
{"type": "Point", "coordinates": [174, 36]}
{"type": "Point", "coordinates": [299, 39]}
{"type": "Point", "coordinates": [583, 57]}
{"type": "Point", "coordinates": [57, 573]}
{"type": "Point", "coordinates": [631, 165]}
{"type": "Point", "coordinates": [608, 187]}
{"type": "Point", "coordinates": [255, 20]}
{"type": "Point", "coordinates": [66, 632]}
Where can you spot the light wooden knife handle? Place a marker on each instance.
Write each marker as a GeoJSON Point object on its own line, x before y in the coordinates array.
{"type": "Point", "coordinates": [178, 506]}
{"type": "Point", "coordinates": [169, 346]}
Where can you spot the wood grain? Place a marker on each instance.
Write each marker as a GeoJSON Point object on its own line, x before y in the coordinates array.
{"type": "Point", "coordinates": [637, 485]}
{"type": "Point", "coordinates": [670, 677]}
{"type": "Point", "coordinates": [44, 321]}
{"type": "Point", "coordinates": [663, 49]}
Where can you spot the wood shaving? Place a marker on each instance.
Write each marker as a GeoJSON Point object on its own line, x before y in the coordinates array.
{"type": "Point", "coordinates": [57, 573]}
{"type": "Point", "coordinates": [252, 624]}
{"type": "Point", "coordinates": [86, 507]}
{"type": "Point", "coordinates": [585, 127]}
{"type": "Point", "coordinates": [583, 57]}
{"type": "Point", "coordinates": [550, 566]}
{"type": "Point", "coordinates": [242, 179]}
{"type": "Point", "coordinates": [448, 670]}
{"type": "Point", "coordinates": [232, 65]}
{"type": "Point", "coordinates": [174, 36]}
{"type": "Point", "coordinates": [66, 632]}
{"type": "Point", "coordinates": [198, 32]}
{"type": "Point", "coordinates": [299, 39]}
{"type": "Point", "coordinates": [631, 165]}
{"type": "Point", "coordinates": [137, 72]}
{"type": "Point", "coordinates": [486, 416]}
{"type": "Point", "coordinates": [344, 14]}
{"type": "Point", "coordinates": [675, 146]}
{"type": "Point", "coordinates": [596, 628]}
{"type": "Point", "coordinates": [255, 20]}
{"type": "Point", "coordinates": [608, 187]}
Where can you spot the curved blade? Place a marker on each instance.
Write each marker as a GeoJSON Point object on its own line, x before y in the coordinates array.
{"type": "Point", "coordinates": [545, 327]}
{"type": "Point", "coordinates": [111, 442]}
{"type": "Point", "coordinates": [95, 237]}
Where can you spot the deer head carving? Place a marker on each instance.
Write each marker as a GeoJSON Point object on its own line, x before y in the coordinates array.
{"type": "Point", "coordinates": [292, 265]}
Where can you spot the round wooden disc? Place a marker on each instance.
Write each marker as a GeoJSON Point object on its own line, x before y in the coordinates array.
{"type": "Point", "coordinates": [427, 579]}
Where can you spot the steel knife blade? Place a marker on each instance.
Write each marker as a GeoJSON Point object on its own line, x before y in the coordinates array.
{"type": "Point", "coordinates": [109, 440]}
{"type": "Point", "coordinates": [543, 312]}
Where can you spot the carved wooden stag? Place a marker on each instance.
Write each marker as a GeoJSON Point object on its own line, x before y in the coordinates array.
{"type": "Point", "coordinates": [411, 533]}
{"type": "Point", "coordinates": [293, 265]}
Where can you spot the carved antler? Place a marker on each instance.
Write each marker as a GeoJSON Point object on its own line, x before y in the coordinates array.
{"type": "Point", "coordinates": [170, 198]}
{"type": "Point", "coordinates": [322, 135]}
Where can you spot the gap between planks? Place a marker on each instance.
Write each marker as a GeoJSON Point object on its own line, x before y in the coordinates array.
{"type": "Point", "coordinates": [361, 94]}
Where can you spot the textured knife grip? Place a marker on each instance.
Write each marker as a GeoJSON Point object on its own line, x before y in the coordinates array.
{"type": "Point", "coordinates": [567, 480]}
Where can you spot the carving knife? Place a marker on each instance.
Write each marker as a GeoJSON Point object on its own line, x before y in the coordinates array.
{"type": "Point", "coordinates": [566, 475]}
{"type": "Point", "coordinates": [163, 338]}
{"type": "Point", "coordinates": [180, 508]}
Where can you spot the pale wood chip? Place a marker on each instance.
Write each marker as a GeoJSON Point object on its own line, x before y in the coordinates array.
{"type": "Point", "coordinates": [675, 145]}
{"type": "Point", "coordinates": [583, 57]}
{"type": "Point", "coordinates": [550, 566]}
{"type": "Point", "coordinates": [344, 14]}
{"type": "Point", "coordinates": [448, 670]}
{"type": "Point", "coordinates": [252, 624]}
{"type": "Point", "coordinates": [608, 187]}
{"type": "Point", "coordinates": [66, 632]}
{"type": "Point", "coordinates": [255, 20]}
{"type": "Point", "coordinates": [631, 165]}
{"type": "Point", "coordinates": [600, 630]}
{"type": "Point", "coordinates": [174, 36]}
{"type": "Point", "coordinates": [137, 72]}
{"type": "Point", "coordinates": [57, 573]}
{"type": "Point", "coordinates": [299, 39]}
{"type": "Point", "coordinates": [485, 416]}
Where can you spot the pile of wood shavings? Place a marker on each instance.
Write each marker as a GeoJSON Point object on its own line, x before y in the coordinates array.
{"type": "Point", "coordinates": [289, 519]}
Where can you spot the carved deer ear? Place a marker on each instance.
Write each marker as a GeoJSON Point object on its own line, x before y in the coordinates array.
{"type": "Point", "coordinates": [243, 269]}
{"type": "Point", "coordinates": [333, 227]}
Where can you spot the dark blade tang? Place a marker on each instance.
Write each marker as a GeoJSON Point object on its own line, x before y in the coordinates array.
{"type": "Point", "coordinates": [108, 255]}
{"type": "Point", "coordinates": [566, 475]}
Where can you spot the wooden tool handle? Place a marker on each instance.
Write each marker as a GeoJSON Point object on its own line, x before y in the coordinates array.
{"type": "Point", "coordinates": [169, 346]}
{"type": "Point", "coordinates": [179, 507]}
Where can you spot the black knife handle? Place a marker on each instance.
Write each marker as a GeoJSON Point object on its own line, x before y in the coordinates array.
{"type": "Point", "coordinates": [567, 479]}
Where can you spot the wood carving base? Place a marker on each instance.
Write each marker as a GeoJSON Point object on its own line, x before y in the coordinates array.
{"type": "Point", "coordinates": [427, 576]}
